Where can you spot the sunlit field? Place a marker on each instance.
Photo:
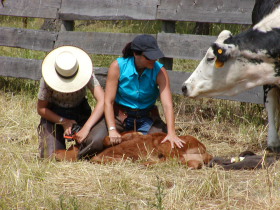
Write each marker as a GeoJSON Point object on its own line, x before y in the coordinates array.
{"type": "Point", "coordinates": [225, 127]}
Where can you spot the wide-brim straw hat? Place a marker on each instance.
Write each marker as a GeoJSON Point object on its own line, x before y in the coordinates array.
{"type": "Point", "coordinates": [67, 69]}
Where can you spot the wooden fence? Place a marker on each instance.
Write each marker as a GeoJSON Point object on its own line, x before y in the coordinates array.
{"type": "Point", "coordinates": [183, 46]}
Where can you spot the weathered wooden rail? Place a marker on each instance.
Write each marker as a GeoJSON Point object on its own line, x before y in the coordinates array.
{"type": "Point", "coordinates": [183, 46]}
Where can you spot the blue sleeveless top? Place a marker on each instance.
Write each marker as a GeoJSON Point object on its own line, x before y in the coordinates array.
{"type": "Point", "coordinates": [135, 91]}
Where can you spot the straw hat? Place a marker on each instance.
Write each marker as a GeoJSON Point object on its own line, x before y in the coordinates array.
{"type": "Point", "coordinates": [67, 69]}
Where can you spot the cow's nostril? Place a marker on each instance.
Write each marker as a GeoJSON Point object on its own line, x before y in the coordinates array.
{"type": "Point", "coordinates": [184, 89]}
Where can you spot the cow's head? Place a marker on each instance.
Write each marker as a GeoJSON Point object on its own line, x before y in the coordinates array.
{"type": "Point", "coordinates": [227, 70]}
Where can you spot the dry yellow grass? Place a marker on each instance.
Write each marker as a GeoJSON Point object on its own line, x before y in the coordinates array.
{"type": "Point", "coordinates": [27, 182]}
{"type": "Point", "coordinates": [226, 128]}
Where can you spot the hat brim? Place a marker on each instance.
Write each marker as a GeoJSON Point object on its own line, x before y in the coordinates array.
{"type": "Point", "coordinates": [154, 55]}
{"type": "Point", "coordinates": [67, 85]}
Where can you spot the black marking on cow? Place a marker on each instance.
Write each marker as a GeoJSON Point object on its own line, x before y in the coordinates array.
{"type": "Point", "coordinates": [220, 53]}
{"type": "Point", "coordinates": [244, 61]}
{"type": "Point", "coordinates": [255, 40]}
{"type": "Point", "coordinates": [263, 8]}
{"type": "Point", "coordinates": [255, 61]}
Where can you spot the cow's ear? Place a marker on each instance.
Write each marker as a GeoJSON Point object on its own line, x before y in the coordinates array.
{"type": "Point", "coordinates": [220, 52]}
{"type": "Point", "coordinates": [224, 35]}
{"type": "Point", "coordinates": [221, 55]}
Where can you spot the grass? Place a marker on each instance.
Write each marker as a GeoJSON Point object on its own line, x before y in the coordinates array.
{"type": "Point", "coordinates": [225, 127]}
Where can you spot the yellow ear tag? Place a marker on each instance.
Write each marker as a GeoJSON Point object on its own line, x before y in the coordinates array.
{"type": "Point", "coordinates": [220, 51]}
{"type": "Point", "coordinates": [219, 64]}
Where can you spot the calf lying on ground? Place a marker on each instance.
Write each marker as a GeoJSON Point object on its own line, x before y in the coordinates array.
{"type": "Point", "coordinates": [71, 154]}
{"type": "Point", "coordinates": [135, 146]}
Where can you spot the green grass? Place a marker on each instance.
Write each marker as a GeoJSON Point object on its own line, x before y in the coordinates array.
{"type": "Point", "coordinates": [21, 53]}
{"type": "Point", "coordinates": [18, 22]}
{"type": "Point", "coordinates": [119, 26]}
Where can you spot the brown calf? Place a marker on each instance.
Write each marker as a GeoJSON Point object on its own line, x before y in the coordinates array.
{"type": "Point", "coordinates": [135, 146]}
{"type": "Point", "coordinates": [70, 154]}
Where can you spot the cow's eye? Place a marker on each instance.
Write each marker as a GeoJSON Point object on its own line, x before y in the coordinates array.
{"type": "Point", "coordinates": [210, 59]}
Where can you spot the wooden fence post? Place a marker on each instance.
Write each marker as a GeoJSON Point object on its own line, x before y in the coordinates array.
{"type": "Point", "coordinates": [168, 27]}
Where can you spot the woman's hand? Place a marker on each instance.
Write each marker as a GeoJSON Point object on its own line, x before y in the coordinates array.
{"type": "Point", "coordinates": [67, 126]}
{"type": "Point", "coordinates": [174, 139]}
{"type": "Point", "coordinates": [115, 137]}
{"type": "Point", "coordinates": [81, 135]}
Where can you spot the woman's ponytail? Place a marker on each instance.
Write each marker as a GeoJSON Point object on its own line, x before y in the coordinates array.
{"type": "Point", "coordinates": [127, 51]}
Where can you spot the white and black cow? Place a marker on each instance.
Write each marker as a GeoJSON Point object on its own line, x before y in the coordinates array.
{"type": "Point", "coordinates": [237, 63]}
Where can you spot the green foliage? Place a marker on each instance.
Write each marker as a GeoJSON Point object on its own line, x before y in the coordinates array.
{"type": "Point", "coordinates": [21, 53]}
{"type": "Point", "coordinates": [184, 65]}
{"type": "Point", "coordinates": [68, 203]}
{"type": "Point", "coordinates": [20, 22]}
{"type": "Point", "coordinates": [159, 195]}
{"type": "Point", "coordinates": [119, 26]}
{"type": "Point", "coordinates": [214, 28]}
{"type": "Point", "coordinates": [19, 86]}
{"type": "Point", "coordinates": [103, 60]}
{"type": "Point", "coordinates": [234, 28]}
{"type": "Point", "coordinates": [184, 27]}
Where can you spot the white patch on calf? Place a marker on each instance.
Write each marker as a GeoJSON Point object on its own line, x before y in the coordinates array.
{"type": "Point", "coordinates": [269, 22]}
